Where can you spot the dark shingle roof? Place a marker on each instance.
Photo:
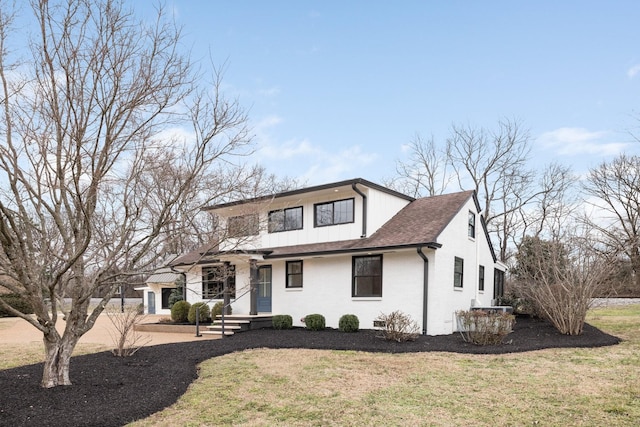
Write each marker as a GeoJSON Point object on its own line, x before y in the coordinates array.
{"type": "Point", "coordinates": [418, 224]}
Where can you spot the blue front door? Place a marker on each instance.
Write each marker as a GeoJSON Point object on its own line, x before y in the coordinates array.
{"type": "Point", "coordinates": [264, 289]}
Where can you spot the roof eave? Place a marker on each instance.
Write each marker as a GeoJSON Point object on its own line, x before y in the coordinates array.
{"type": "Point", "coordinates": [348, 182]}
{"type": "Point", "coordinates": [429, 245]}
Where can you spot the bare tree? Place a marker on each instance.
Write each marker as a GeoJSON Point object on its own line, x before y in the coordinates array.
{"type": "Point", "coordinates": [615, 188]}
{"type": "Point", "coordinates": [425, 173]}
{"type": "Point", "coordinates": [494, 163]}
{"type": "Point", "coordinates": [84, 202]}
{"type": "Point", "coordinates": [542, 210]}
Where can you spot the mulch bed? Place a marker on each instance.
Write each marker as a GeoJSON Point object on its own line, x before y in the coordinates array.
{"type": "Point", "coordinates": [112, 391]}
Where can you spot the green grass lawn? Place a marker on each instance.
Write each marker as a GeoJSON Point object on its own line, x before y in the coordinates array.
{"type": "Point", "coordinates": [557, 387]}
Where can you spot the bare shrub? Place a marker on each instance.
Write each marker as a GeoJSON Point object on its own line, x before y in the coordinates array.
{"type": "Point", "coordinates": [482, 327]}
{"type": "Point", "coordinates": [125, 338]}
{"type": "Point", "coordinates": [560, 279]}
{"type": "Point", "coordinates": [398, 326]}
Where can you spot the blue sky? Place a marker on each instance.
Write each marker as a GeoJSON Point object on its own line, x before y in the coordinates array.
{"type": "Point", "coordinates": [336, 89]}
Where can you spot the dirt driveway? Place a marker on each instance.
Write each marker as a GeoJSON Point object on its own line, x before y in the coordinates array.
{"type": "Point", "coordinates": [16, 331]}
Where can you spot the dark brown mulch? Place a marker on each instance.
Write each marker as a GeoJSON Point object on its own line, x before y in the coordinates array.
{"type": "Point", "coordinates": [111, 391]}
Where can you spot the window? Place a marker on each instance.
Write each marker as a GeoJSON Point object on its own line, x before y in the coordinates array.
{"type": "Point", "coordinates": [244, 225]}
{"type": "Point", "coordinates": [213, 281]}
{"type": "Point", "coordinates": [285, 220]}
{"type": "Point", "coordinates": [166, 294]}
{"type": "Point", "coordinates": [367, 276]}
{"type": "Point", "coordinates": [472, 225]}
{"type": "Point", "coordinates": [294, 274]}
{"type": "Point", "coordinates": [481, 278]}
{"type": "Point", "coordinates": [332, 213]}
{"type": "Point", "coordinates": [458, 269]}
{"type": "Point", "coordinates": [498, 283]}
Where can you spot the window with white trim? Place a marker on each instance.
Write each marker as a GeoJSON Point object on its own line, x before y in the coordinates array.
{"type": "Point", "coordinates": [294, 274]}
{"type": "Point", "coordinates": [367, 276]}
{"type": "Point", "coordinates": [458, 270]}
{"type": "Point", "coordinates": [471, 230]}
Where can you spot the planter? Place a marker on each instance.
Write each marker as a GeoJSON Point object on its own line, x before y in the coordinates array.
{"type": "Point", "coordinates": [166, 327]}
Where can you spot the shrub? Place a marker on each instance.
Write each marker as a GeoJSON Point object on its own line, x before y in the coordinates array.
{"type": "Point", "coordinates": [180, 311]}
{"type": "Point", "coordinates": [398, 326]}
{"type": "Point", "coordinates": [217, 309]}
{"type": "Point", "coordinates": [204, 313]}
{"type": "Point", "coordinates": [482, 327]}
{"type": "Point", "coordinates": [282, 321]}
{"type": "Point", "coordinates": [16, 301]}
{"type": "Point", "coordinates": [349, 323]}
{"type": "Point", "coordinates": [125, 338]}
{"type": "Point", "coordinates": [314, 322]}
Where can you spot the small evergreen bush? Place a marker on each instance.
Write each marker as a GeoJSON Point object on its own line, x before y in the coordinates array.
{"type": "Point", "coordinates": [349, 323]}
{"type": "Point", "coordinates": [16, 301]}
{"type": "Point", "coordinates": [315, 322]}
{"type": "Point", "coordinates": [180, 311]}
{"type": "Point", "coordinates": [204, 313]}
{"type": "Point", "coordinates": [175, 296]}
{"type": "Point", "coordinates": [217, 309]}
{"type": "Point", "coordinates": [282, 321]}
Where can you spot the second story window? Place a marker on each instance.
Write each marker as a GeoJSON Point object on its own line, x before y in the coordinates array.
{"type": "Point", "coordinates": [285, 219]}
{"type": "Point", "coordinates": [244, 225]}
{"type": "Point", "coordinates": [332, 213]}
{"type": "Point", "coordinates": [472, 225]}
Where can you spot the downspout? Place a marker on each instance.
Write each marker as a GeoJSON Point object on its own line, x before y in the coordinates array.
{"type": "Point", "coordinates": [364, 209]}
{"type": "Point", "coordinates": [425, 286]}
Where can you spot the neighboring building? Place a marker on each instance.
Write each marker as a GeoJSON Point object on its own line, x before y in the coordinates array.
{"type": "Point", "coordinates": [350, 247]}
{"type": "Point", "coordinates": [158, 288]}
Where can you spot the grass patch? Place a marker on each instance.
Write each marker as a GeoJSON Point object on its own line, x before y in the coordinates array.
{"type": "Point", "coordinates": [14, 355]}
{"type": "Point", "coordinates": [589, 387]}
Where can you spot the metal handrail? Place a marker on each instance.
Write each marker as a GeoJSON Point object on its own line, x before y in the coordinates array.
{"type": "Point", "coordinates": [222, 314]}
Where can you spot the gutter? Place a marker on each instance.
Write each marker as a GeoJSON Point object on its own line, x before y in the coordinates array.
{"type": "Point", "coordinates": [364, 209]}
{"type": "Point", "coordinates": [425, 286]}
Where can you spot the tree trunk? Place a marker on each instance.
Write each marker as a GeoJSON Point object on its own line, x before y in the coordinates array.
{"type": "Point", "coordinates": [58, 352]}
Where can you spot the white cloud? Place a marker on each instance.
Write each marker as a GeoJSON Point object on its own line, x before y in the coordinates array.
{"type": "Point", "coordinates": [633, 71]}
{"type": "Point", "coordinates": [314, 164]}
{"type": "Point", "coordinates": [269, 92]}
{"type": "Point", "coordinates": [577, 141]}
{"type": "Point", "coordinates": [347, 163]}
{"type": "Point", "coordinates": [268, 122]}
{"type": "Point", "coordinates": [288, 150]}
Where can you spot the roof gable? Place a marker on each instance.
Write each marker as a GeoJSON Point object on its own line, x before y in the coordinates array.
{"type": "Point", "coordinates": [421, 221]}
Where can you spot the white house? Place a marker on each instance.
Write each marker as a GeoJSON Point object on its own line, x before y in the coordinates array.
{"type": "Point", "coordinates": [350, 247]}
